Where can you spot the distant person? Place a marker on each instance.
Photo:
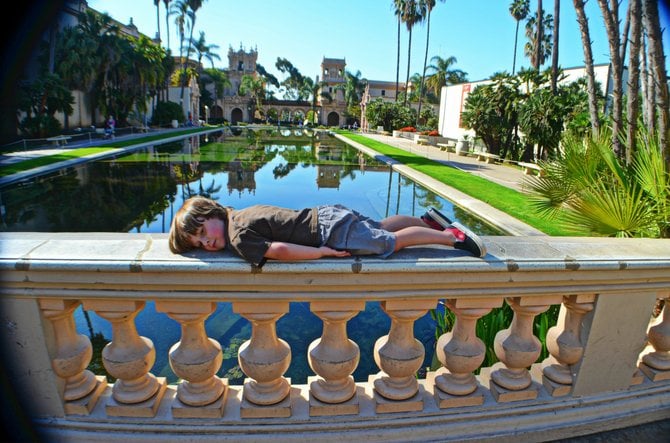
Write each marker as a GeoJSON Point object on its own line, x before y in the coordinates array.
{"type": "Point", "coordinates": [263, 232]}
{"type": "Point", "coordinates": [110, 127]}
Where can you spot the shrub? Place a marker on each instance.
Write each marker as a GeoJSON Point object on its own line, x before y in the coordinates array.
{"type": "Point", "coordinates": [166, 112]}
{"type": "Point", "coordinates": [408, 129]}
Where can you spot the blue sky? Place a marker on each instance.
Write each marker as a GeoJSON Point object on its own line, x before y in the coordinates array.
{"type": "Point", "coordinates": [479, 33]}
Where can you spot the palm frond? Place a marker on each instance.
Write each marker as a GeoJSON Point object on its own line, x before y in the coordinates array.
{"type": "Point", "coordinates": [611, 211]}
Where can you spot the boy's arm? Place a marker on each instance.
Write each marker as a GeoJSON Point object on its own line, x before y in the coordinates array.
{"type": "Point", "coordinates": [292, 251]}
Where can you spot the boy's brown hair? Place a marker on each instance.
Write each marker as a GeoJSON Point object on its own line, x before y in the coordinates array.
{"type": "Point", "coordinates": [189, 218]}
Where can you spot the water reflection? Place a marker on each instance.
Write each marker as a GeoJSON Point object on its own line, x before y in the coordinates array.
{"type": "Point", "coordinates": [139, 192]}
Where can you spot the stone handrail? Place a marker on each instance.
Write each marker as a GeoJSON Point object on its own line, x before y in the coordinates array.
{"type": "Point", "coordinates": [609, 366]}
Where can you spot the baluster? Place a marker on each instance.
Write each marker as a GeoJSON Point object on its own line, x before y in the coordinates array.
{"type": "Point", "coordinates": [264, 359]}
{"type": "Point", "coordinates": [565, 345]}
{"type": "Point", "coordinates": [195, 359]}
{"type": "Point", "coordinates": [334, 357]}
{"type": "Point", "coordinates": [128, 358]}
{"type": "Point", "coordinates": [656, 364]}
{"type": "Point", "coordinates": [73, 355]}
{"type": "Point", "coordinates": [517, 348]}
{"type": "Point", "coordinates": [399, 355]}
{"type": "Point", "coordinates": [461, 352]}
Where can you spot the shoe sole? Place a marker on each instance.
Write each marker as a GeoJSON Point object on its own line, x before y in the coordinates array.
{"type": "Point", "coordinates": [478, 241]}
{"type": "Point", "coordinates": [440, 218]}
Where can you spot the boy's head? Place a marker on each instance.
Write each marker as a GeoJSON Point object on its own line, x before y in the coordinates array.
{"type": "Point", "coordinates": [190, 219]}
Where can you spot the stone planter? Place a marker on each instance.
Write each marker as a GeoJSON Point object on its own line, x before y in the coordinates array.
{"type": "Point", "coordinates": [396, 134]}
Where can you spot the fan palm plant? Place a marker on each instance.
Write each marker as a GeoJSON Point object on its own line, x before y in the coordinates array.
{"type": "Point", "coordinates": [598, 195]}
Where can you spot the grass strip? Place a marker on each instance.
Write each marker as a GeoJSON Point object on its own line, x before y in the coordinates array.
{"type": "Point", "coordinates": [512, 202]}
{"type": "Point", "coordinates": [26, 165]}
{"type": "Point", "coordinates": [37, 162]}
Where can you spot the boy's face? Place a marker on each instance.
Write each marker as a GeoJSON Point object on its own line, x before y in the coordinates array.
{"type": "Point", "coordinates": [210, 236]}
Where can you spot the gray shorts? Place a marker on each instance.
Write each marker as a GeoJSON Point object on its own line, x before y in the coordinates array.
{"type": "Point", "coordinates": [346, 229]}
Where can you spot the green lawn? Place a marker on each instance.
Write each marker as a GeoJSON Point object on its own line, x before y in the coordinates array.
{"type": "Point", "coordinates": [500, 197]}
{"type": "Point", "coordinates": [32, 163]}
{"type": "Point", "coordinates": [37, 162]}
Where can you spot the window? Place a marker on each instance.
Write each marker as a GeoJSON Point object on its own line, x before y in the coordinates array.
{"type": "Point", "coordinates": [383, 92]}
{"type": "Point", "coordinates": [325, 72]}
{"type": "Point", "coordinates": [240, 65]}
{"type": "Point", "coordinates": [330, 90]}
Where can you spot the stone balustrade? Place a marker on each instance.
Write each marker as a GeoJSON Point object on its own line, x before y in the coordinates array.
{"type": "Point", "coordinates": [609, 363]}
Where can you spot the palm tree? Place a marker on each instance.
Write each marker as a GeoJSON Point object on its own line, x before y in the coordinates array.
{"type": "Point", "coordinates": [255, 87]}
{"type": "Point", "coordinates": [554, 54]}
{"type": "Point", "coordinates": [193, 5]}
{"type": "Point", "coordinates": [519, 10]}
{"type": "Point", "coordinates": [158, 19]}
{"type": "Point", "coordinates": [398, 8]}
{"type": "Point", "coordinates": [167, 21]}
{"type": "Point", "coordinates": [588, 66]}
{"type": "Point", "coordinates": [538, 47]}
{"type": "Point", "coordinates": [633, 102]}
{"type": "Point", "coordinates": [180, 11]}
{"type": "Point", "coordinates": [220, 80]}
{"type": "Point", "coordinates": [443, 74]}
{"type": "Point", "coordinates": [599, 195]}
{"type": "Point", "coordinates": [539, 36]}
{"type": "Point", "coordinates": [611, 19]}
{"type": "Point", "coordinates": [204, 50]}
{"type": "Point", "coordinates": [317, 92]}
{"type": "Point", "coordinates": [101, 34]}
{"type": "Point", "coordinates": [660, 100]}
{"type": "Point", "coordinates": [412, 15]}
{"type": "Point", "coordinates": [429, 5]}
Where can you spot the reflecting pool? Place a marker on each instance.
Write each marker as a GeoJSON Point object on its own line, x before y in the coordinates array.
{"type": "Point", "coordinates": [141, 191]}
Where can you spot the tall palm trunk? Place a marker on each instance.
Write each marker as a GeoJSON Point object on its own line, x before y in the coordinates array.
{"type": "Point", "coordinates": [397, 65]}
{"type": "Point", "coordinates": [167, 27]}
{"type": "Point", "coordinates": [516, 41]}
{"type": "Point", "coordinates": [634, 19]}
{"type": "Point", "coordinates": [648, 91]}
{"type": "Point", "coordinates": [188, 53]}
{"type": "Point", "coordinates": [659, 75]}
{"type": "Point", "coordinates": [588, 66]}
{"type": "Point", "coordinates": [611, 18]}
{"type": "Point", "coordinates": [423, 72]}
{"type": "Point", "coordinates": [409, 57]}
{"type": "Point", "coordinates": [554, 53]}
{"type": "Point", "coordinates": [158, 19]}
{"type": "Point", "coordinates": [539, 37]}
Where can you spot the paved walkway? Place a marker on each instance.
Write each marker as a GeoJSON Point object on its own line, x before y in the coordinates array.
{"type": "Point", "coordinates": [503, 174]}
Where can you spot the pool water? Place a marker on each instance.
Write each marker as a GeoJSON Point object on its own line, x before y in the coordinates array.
{"type": "Point", "coordinates": [140, 192]}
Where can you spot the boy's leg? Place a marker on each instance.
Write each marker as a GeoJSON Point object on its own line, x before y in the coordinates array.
{"type": "Point", "coordinates": [457, 236]}
{"type": "Point", "coordinates": [397, 222]}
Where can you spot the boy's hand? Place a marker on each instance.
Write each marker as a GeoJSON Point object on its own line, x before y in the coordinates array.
{"type": "Point", "coordinates": [330, 252]}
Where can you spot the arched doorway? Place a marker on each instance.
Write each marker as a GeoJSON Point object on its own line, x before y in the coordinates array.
{"type": "Point", "coordinates": [236, 116]}
{"type": "Point", "coordinates": [333, 119]}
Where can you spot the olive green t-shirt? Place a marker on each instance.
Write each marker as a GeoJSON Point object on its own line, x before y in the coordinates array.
{"type": "Point", "coordinates": [253, 229]}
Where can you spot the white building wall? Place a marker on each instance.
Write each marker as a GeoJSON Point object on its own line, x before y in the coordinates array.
{"type": "Point", "coordinates": [452, 99]}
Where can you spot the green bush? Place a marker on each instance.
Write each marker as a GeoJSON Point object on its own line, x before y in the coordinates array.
{"type": "Point", "coordinates": [166, 112]}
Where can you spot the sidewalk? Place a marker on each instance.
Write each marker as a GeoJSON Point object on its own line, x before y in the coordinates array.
{"type": "Point", "coordinates": [505, 175]}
